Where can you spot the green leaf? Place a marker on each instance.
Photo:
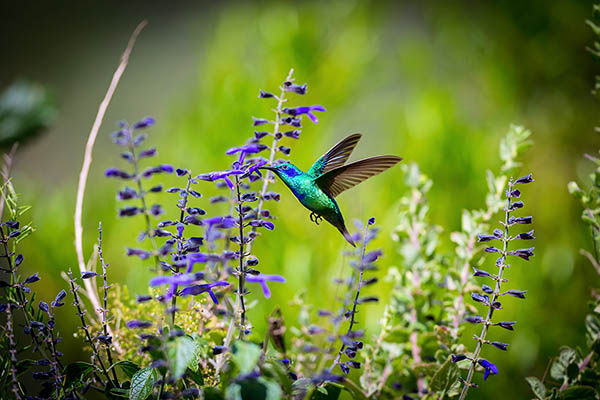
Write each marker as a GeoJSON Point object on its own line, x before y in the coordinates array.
{"type": "Point", "coordinates": [23, 365]}
{"type": "Point", "coordinates": [120, 392]}
{"type": "Point", "coordinates": [129, 368]}
{"type": "Point", "coordinates": [592, 324]}
{"type": "Point", "coordinates": [331, 391]}
{"type": "Point", "coordinates": [195, 376]}
{"type": "Point", "coordinates": [212, 393]}
{"type": "Point", "coordinates": [444, 377]}
{"type": "Point", "coordinates": [180, 354]}
{"type": "Point", "coordinates": [579, 393]}
{"type": "Point", "coordinates": [142, 384]}
{"type": "Point", "coordinates": [537, 387]}
{"type": "Point", "coordinates": [558, 370]}
{"type": "Point", "coordinates": [201, 347]}
{"type": "Point", "coordinates": [245, 356]}
{"type": "Point", "coordinates": [75, 372]}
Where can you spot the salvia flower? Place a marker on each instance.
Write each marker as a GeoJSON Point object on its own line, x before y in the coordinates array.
{"type": "Point", "coordinates": [308, 110]}
{"type": "Point", "coordinates": [263, 279]}
{"type": "Point", "coordinates": [204, 288]}
{"type": "Point", "coordinates": [491, 298]}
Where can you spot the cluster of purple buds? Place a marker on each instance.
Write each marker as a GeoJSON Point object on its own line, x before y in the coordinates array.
{"type": "Point", "coordinates": [490, 296]}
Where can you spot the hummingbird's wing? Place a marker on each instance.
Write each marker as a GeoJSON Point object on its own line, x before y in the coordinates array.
{"type": "Point", "coordinates": [337, 180]}
{"type": "Point", "coordinates": [336, 157]}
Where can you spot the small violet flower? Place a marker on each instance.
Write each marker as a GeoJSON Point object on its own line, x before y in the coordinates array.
{"type": "Point", "coordinates": [263, 279]}
{"type": "Point", "coordinates": [305, 110]}
{"type": "Point", "coordinates": [207, 287]}
{"type": "Point", "coordinates": [488, 367]}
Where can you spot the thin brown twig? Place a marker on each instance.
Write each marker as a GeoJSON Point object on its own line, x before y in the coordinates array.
{"type": "Point", "coordinates": [85, 169]}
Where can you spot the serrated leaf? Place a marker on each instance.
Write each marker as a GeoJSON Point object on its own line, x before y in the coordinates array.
{"type": "Point", "coordinates": [201, 347]}
{"type": "Point", "coordinates": [129, 368]}
{"type": "Point", "coordinates": [445, 376]}
{"type": "Point", "coordinates": [180, 354]}
{"type": "Point", "coordinates": [245, 356]}
{"type": "Point", "coordinates": [579, 393]}
{"type": "Point", "coordinates": [592, 324]}
{"type": "Point", "coordinates": [558, 370]}
{"type": "Point", "coordinates": [142, 384]}
{"type": "Point", "coordinates": [537, 387]}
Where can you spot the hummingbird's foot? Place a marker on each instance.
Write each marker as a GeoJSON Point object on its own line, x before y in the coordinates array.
{"type": "Point", "coordinates": [316, 218]}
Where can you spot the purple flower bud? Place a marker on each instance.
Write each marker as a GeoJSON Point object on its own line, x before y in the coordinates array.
{"type": "Point", "coordinates": [129, 211]}
{"type": "Point", "coordinates": [497, 305]}
{"type": "Point", "coordinates": [458, 357]}
{"type": "Point", "coordinates": [523, 253]}
{"type": "Point", "coordinates": [345, 369]}
{"type": "Point", "coordinates": [292, 87]}
{"type": "Point", "coordinates": [479, 272]}
{"type": "Point", "coordinates": [520, 220]}
{"type": "Point", "coordinates": [480, 298]}
{"type": "Point", "coordinates": [126, 194]}
{"type": "Point", "coordinates": [516, 293]}
{"type": "Point", "coordinates": [43, 306]}
{"type": "Point", "coordinates": [474, 319]}
{"type": "Point", "coordinates": [525, 179]}
{"type": "Point", "coordinates": [181, 172]}
{"type": "Point", "coordinates": [294, 134]}
{"type": "Point", "coordinates": [148, 153]}
{"type": "Point", "coordinates": [158, 169]}
{"type": "Point", "coordinates": [487, 289]}
{"type": "Point", "coordinates": [516, 205]}
{"type": "Point", "coordinates": [305, 110]}
{"type": "Point", "coordinates": [514, 194]}
{"type": "Point", "coordinates": [136, 324]}
{"type": "Point", "coordinates": [485, 238]}
{"type": "Point", "coordinates": [506, 325]}
{"type": "Point", "coordinates": [525, 235]}
{"type": "Point", "coordinates": [370, 299]}
{"type": "Point", "coordinates": [116, 173]}
{"type": "Point", "coordinates": [18, 259]}
{"type": "Point", "coordinates": [143, 299]}
{"type": "Point", "coordinates": [142, 254]}
{"type": "Point", "coordinates": [88, 275]}
{"type": "Point", "coordinates": [156, 210]}
{"type": "Point", "coordinates": [144, 123]}
{"type": "Point", "coordinates": [492, 250]}
{"type": "Point", "coordinates": [259, 121]}
{"type": "Point", "coordinates": [265, 95]}
{"type": "Point", "coordinates": [353, 364]}
{"type": "Point", "coordinates": [260, 135]}
{"type": "Point", "coordinates": [31, 279]}
{"type": "Point", "coordinates": [499, 345]}
{"type": "Point", "coordinates": [284, 149]}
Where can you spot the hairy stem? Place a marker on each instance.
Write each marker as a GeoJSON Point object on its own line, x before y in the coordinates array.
{"type": "Point", "coordinates": [488, 320]}
{"type": "Point", "coordinates": [355, 303]}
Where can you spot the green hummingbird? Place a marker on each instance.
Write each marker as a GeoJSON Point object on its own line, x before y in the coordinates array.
{"type": "Point", "coordinates": [328, 177]}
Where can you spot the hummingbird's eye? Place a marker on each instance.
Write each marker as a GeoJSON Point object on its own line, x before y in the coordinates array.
{"type": "Point", "coordinates": [284, 166]}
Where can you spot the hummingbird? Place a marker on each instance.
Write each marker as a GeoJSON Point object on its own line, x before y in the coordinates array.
{"type": "Point", "coordinates": [329, 176]}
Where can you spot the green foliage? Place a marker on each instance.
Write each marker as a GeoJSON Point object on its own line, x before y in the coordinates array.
{"type": "Point", "coordinates": [142, 383]}
{"type": "Point", "coordinates": [25, 110]}
{"type": "Point", "coordinates": [182, 353]}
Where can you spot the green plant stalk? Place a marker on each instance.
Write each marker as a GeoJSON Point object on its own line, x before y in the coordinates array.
{"type": "Point", "coordinates": [488, 320]}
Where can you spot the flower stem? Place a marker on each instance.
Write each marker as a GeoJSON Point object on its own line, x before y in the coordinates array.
{"type": "Point", "coordinates": [107, 334]}
{"type": "Point", "coordinates": [355, 303]}
{"type": "Point", "coordinates": [242, 267]}
{"type": "Point", "coordinates": [488, 320]}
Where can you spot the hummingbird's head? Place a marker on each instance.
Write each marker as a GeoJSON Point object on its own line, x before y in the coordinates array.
{"type": "Point", "coordinates": [285, 171]}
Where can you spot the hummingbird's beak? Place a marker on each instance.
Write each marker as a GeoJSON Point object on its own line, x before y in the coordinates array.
{"type": "Point", "coordinates": [268, 168]}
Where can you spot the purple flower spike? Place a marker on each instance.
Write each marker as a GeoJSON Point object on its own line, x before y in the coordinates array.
{"type": "Point", "coordinates": [305, 110]}
{"type": "Point", "coordinates": [213, 176]}
{"type": "Point", "coordinates": [207, 287]}
{"type": "Point", "coordinates": [248, 149]}
{"type": "Point", "coordinates": [263, 279]}
{"type": "Point", "coordinates": [489, 368]}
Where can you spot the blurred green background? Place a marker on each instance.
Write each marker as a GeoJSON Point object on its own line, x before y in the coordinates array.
{"type": "Point", "coordinates": [435, 82]}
